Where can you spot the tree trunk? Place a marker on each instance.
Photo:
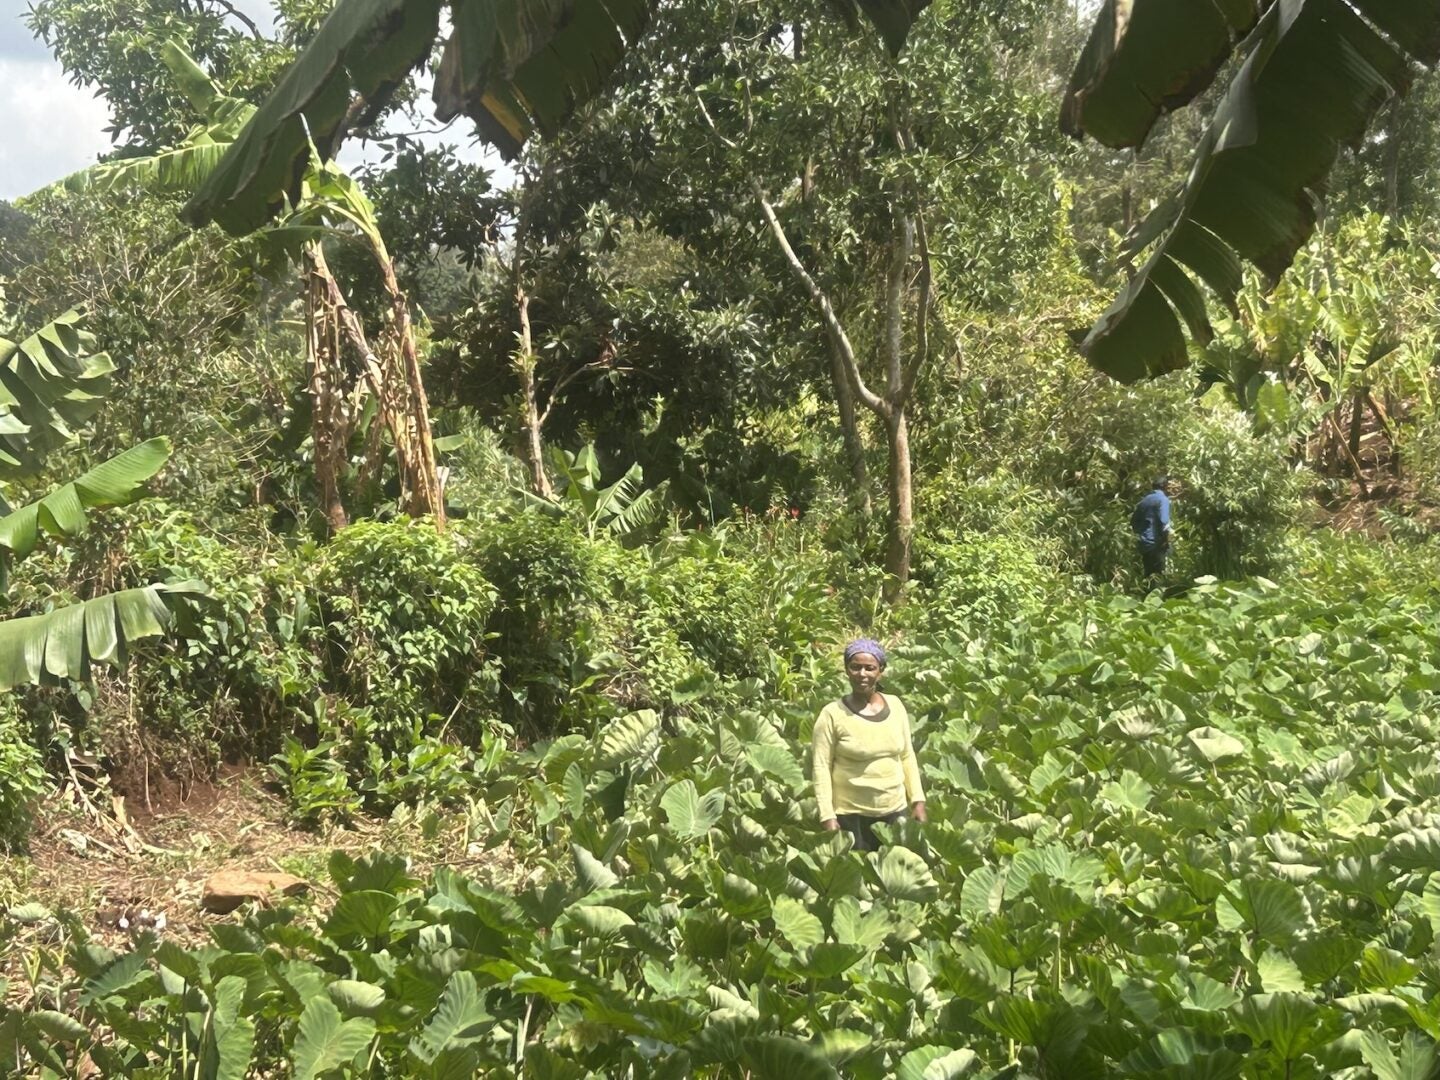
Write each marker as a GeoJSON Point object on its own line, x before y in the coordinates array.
{"type": "Point", "coordinates": [1384, 413]}
{"type": "Point", "coordinates": [902, 525]}
{"type": "Point", "coordinates": [525, 367]}
{"type": "Point", "coordinates": [1392, 157]}
{"type": "Point", "coordinates": [329, 431]}
{"type": "Point", "coordinates": [394, 379]}
{"type": "Point", "coordinates": [1357, 422]}
{"type": "Point", "coordinates": [845, 371]}
{"type": "Point", "coordinates": [902, 520]}
{"type": "Point", "coordinates": [900, 372]}
{"type": "Point", "coordinates": [850, 430]}
{"type": "Point", "coordinates": [419, 474]}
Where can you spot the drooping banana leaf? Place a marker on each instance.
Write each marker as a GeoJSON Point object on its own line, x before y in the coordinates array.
{"type": "Point", "coordinates": [64, 643]}
{"type": "Point", "coordinates": [181, 169]}
{"type": "Point", "coordinates": [50, 383]}
{"type": "Point", "coordinates": [185, 167]}
{"type": "Point", "coordinates": [63, 511]}
{"type": "Point", "coordinates": [364, 47]}
{"type": "Point", "coordinates": [1316, 73]}
{"type": "Point", "coordinates": [513, 66]}
{"type": "Point", "coordinates": [1146, 57]}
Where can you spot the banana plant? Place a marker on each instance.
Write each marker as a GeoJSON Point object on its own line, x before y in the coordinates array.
{"type": "Point", "coordinates": [327, 202]}
{"type": "Point", "coordinates": [622, 509]}
{"type": "Point", "coordinates": [65, 642]}
{"type": "Point", "coordinates": [513, 68]}
{"type": "Point", "coordinates": [1313, 75]}
{"type": "Point", "coordinates": [62, 512]}
{"type": "Point", "coordinates": [50, 383]}
{"type": "Point", "coordinates": [1350, 327]}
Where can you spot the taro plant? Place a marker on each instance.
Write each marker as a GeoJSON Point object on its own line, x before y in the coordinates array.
{"type": "Point", "coordinates": [1168, 838]}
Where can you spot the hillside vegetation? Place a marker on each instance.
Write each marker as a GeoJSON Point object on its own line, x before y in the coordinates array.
{"type": "Point", "coordinates": [495, 529]}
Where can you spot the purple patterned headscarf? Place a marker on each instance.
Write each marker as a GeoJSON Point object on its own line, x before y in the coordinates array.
{"type": "Point", "coordinates": [866, 645]}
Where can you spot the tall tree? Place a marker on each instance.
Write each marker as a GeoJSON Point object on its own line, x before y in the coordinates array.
{"type": "Point", "coordinates": [887, 196]}
{"type": "Point", "coordinates": [112, 46]}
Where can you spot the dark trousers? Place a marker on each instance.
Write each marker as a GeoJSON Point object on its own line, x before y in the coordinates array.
{"type": "Point", "coordinates": [1154, 559]}
{"type": "Point", "coordinates": [858, 826]}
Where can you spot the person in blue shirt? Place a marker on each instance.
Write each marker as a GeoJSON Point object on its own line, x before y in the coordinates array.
{"type": "Point", "coordinates": [1151, 522]}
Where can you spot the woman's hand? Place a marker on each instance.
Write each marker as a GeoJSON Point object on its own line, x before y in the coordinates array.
{"type": "Point", "coordinates": [830, 825]}
{"type": "Point", "coordinates": [917, 811]}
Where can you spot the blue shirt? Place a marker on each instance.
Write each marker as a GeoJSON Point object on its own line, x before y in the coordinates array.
{"type": "Point", "coordinates": [1151, 519]}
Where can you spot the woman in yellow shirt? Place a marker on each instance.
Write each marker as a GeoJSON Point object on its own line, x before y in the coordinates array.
{"type": "Point", "coordinates": [864, 761]}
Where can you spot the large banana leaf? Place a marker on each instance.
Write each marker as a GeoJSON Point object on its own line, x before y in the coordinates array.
{"type": "Point", "coordinates": [513, 66]}
{"type": "Point", "coordinates": [63, 511]}
{"type": "Point", "coordinates": [1147, 57]}
{"type": "Point", "coordinates": [62, 644]}
{"type": "Point", "coordinates": [1315, 74]}
{"type": "Point", "coordinates": [185, 167]}
{"type": "Point", "coordinates": [181, 169]}
{"type": "Point", "coordinates": [892, 18]}
{"type": "Point", "coordinates": [366, 47]}
{"type": "Point", "coordinates": [50, 383]}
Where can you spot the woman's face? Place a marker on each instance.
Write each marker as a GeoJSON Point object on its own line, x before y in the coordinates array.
{"type": "Point", "coordinates": [864, 672]}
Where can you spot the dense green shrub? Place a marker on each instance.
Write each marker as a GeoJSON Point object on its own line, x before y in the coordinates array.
{"type": "Point", "coordinates": [953, 504]}
{"type": "Point", "coordinates": [316, 783]}
{"type": "Point", "coordinates": [1419, 446]}
{"type": "Point", "coordinates": [348, 655]}
{"type": "Point", "coordinates": [1351, 566]}
{"type": "Point", "coordinates": [400, 623]}
{"type": "Point", "coordinates": [22, 776]}
{"type": "Point", "coordinates": [715, 602]}
{"type": "Point", "coordinates": [746, 599]}
{"type": "Point", "coordinates": [582, 627]}
{"type": "Point", "coordinates": [970, 584]}
{"type": "Point", "coordinates": [545, 620]}
{"type": "Point", "coordinates": [1241, 499]}
{"type": "Point", "coordinates": [226, 685]}
{"type": "Point", "coordinates": [1241, 496]}
{"type": "Point", "coordinates": [646, 664]}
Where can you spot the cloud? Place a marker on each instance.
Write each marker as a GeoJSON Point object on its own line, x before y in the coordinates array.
{"type": "Point", "coordinates": [51, 128]}
{"type": "Point", "coordinates": [16, 39]}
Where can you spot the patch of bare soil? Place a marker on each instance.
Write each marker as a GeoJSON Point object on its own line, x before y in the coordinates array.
{"type": "Point", "coordinates": [119, 871]}
{"type": "Point", "coordinates": [1363, 510]}
{"type": "Point", "coordinates": [1368, 491]}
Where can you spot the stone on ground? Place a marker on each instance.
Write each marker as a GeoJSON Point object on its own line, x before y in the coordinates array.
{"type": "Point", "coordinates": [225, 890]}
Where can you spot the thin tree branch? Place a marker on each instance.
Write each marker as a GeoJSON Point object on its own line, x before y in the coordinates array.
{"type": "Point", "coordinates": [570, 376]}
{"type": "Point", "coordinates": [923, 304]}
{"type": "Point", "coordinates": [833, 328]}
{"type": "Point", "coordinates": [900, 244]}
{"type": "Point", "coordinates": [710, 122]}
{"type": "Point", "coordinates": [249, 22]}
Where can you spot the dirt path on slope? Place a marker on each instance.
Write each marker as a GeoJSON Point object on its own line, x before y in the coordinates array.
{"type": "Point", "coordinates": [126, 868]}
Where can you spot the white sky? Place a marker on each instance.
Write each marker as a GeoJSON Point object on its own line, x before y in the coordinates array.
{"type": "Point", "coordinates": [49, 128]}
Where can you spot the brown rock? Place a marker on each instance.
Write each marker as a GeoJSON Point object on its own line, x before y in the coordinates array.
{"type": "Point", "coordinates": [225, 890]}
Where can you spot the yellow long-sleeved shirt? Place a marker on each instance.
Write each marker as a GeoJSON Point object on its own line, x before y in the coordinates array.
{"type": "Point", "coordinates": [862, 765]}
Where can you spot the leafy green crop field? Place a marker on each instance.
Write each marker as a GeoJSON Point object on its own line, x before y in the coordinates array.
{"type": "Point", "coordinates": [1186, 839]}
